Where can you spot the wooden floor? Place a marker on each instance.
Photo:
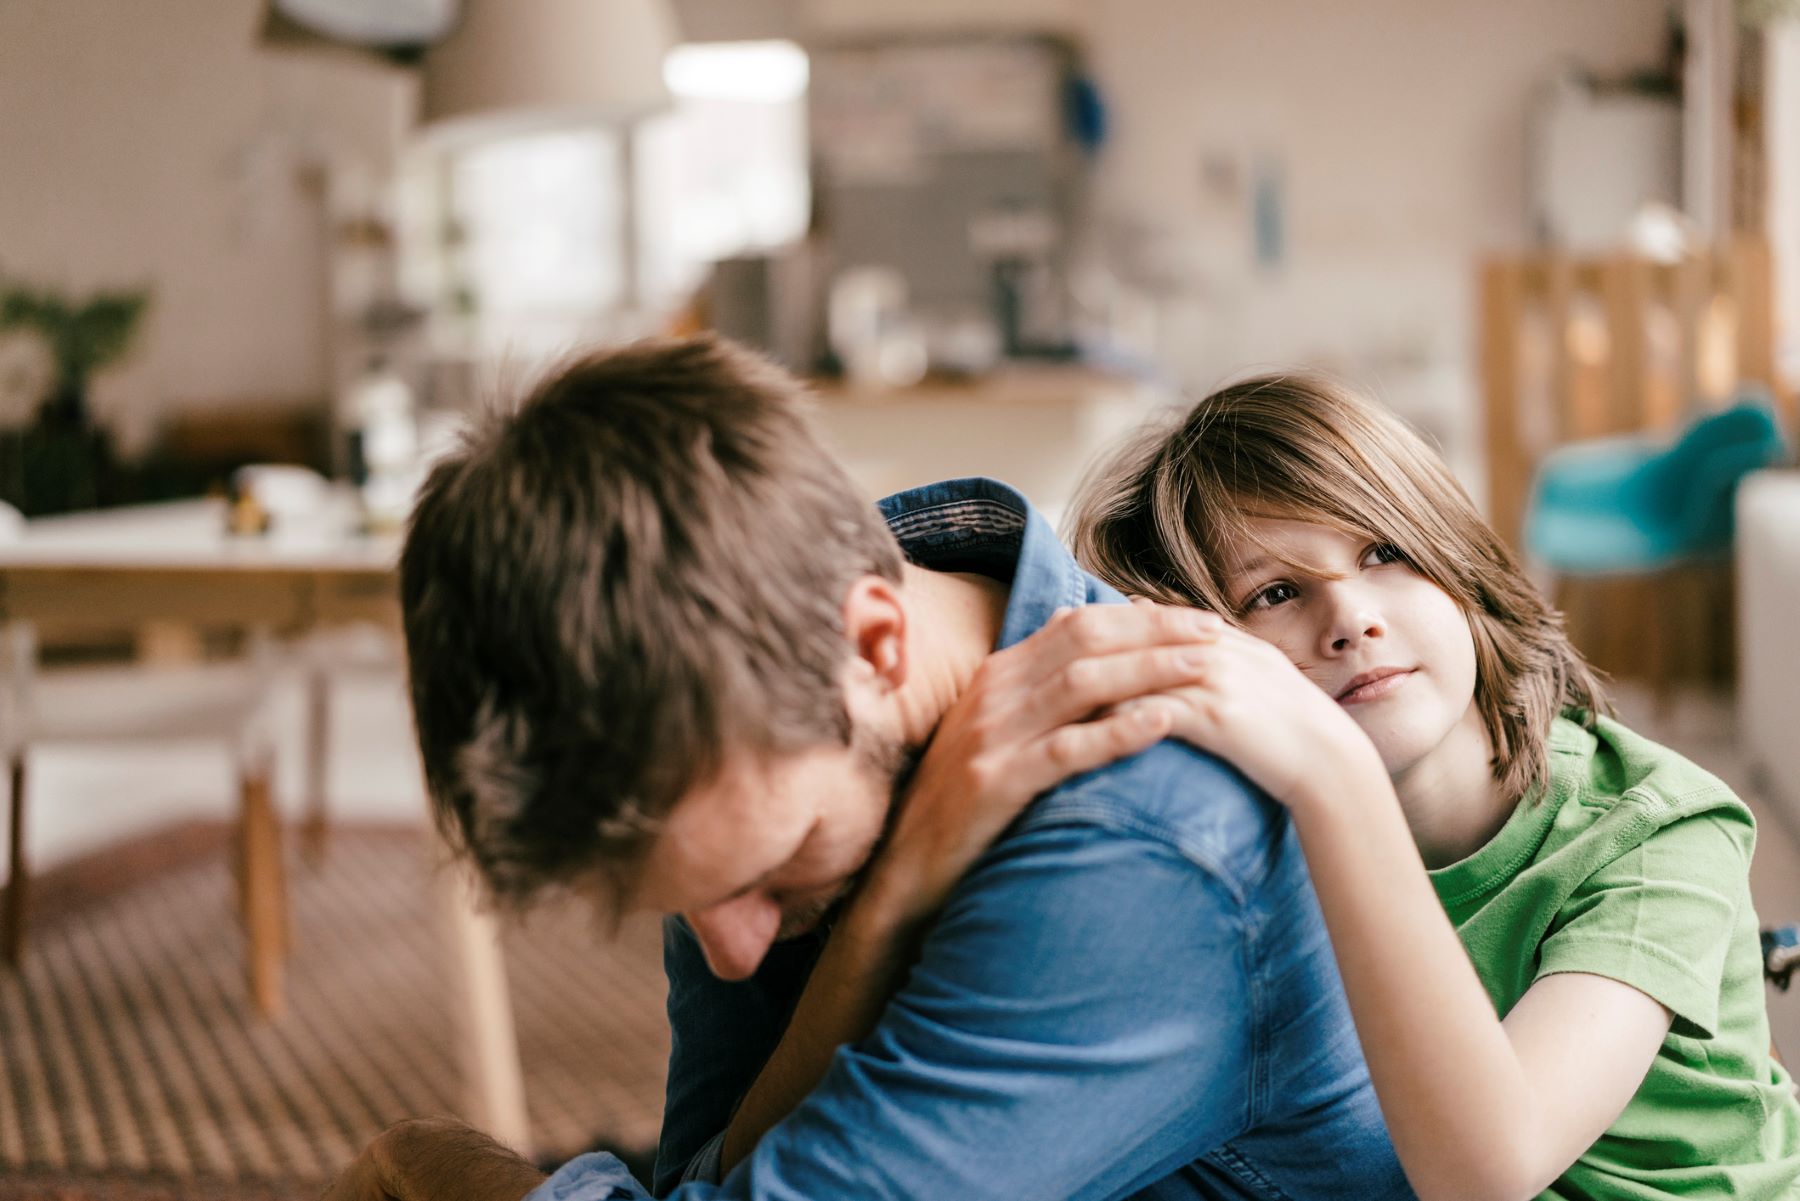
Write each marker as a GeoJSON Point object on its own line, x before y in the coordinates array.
{"type": "Point", "coordinates": [130, 1052]}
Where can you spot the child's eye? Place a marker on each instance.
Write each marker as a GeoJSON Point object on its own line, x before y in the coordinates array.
{"type": "Point", "coordinates": [1384, 552]}
{"type": "Point", "coordinates": [1268, 598]}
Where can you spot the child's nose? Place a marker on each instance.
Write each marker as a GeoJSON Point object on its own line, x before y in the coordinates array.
{"type": "Point", "coordinates": [1351, 619]}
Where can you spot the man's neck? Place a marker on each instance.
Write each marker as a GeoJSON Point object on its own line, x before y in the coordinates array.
{"type": "Point", "coordinates": [1451, 800]}
{"type": "Point", "coordinates": [953, 621]}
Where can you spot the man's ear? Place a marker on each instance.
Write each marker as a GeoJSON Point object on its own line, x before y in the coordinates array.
{"type": "Point", "coordinates": [875, 625]}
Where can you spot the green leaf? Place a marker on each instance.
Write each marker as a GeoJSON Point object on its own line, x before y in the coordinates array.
{"type": "Point", "coordinates": [85, 338]}
{"type": "Point", "coordinates": [101, 330]}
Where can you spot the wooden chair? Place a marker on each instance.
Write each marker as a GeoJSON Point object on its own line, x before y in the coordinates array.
{"type": "Point", "coordinates": [1582, 348]}
{"type": "Point", "coordinates": [219, 702]}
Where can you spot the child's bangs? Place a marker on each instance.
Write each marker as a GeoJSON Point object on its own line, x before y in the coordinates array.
{"type": "Point", "coordinates": [1225, 518]}
{"type": "Point", "coordinates": [1164, 517]}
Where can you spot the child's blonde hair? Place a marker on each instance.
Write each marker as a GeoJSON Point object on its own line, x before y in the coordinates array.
{"type": "Point", "coordinates": [1157, 519]}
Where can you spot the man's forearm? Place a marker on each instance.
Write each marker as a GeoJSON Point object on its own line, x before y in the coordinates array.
{"type": "Point", "coordinates": [861, 968]}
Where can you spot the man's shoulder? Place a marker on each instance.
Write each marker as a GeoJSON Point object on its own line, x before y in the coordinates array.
{"type": "Point", "coordinates": [1186, 801]}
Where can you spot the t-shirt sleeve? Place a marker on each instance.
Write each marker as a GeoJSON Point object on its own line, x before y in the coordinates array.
{"type": "Point", "coordinates": [1660, 916]}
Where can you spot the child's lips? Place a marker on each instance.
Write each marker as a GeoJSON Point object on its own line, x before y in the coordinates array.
{"type": "Point", "coordinates": [1383, 682]}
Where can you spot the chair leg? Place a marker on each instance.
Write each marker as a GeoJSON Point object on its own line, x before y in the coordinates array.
{"type": "Point", "coordinates": [1659, 620]}
{"type": "Point", "coordinates": [263, 891]}
{"type": "Point", "coordinates": [1593, 612]}
{"type": "Point", "coordinates": [1720, 616]}
{"type": "Point", "coordinates": [12, 921]}
{"type": "Point", "coordinates": [314, 829]}
{"type": "Point", "coordinates": [487, 1044]}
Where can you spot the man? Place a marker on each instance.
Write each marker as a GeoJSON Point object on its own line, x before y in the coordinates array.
{"type": "Point", "coordinates": [662, 654]}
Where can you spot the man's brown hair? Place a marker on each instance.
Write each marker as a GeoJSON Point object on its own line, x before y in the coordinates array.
{"type": "Point", "coordinates": [1157, 520]}
{"type": "Point", "coordinates": [642, 567]}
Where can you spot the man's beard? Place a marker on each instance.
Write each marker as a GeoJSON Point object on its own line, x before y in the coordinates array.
{"type": "Point", "coordinates": [796, 922]}
{"type": "Point", "coordinates": [882, 758]}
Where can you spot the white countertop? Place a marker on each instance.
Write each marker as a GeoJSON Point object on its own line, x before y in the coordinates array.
{"type": "Point", "coordinates": [192, 535]}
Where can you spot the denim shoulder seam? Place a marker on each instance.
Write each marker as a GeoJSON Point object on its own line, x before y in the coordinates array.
{"type": "Point", "coordinates": [1261, 1071]}
{"type": "Point", "coordinates": [1104, 810]}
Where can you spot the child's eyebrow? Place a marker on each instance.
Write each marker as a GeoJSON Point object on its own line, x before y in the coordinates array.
{"type": "Point", "coordinates": [1252, 567]}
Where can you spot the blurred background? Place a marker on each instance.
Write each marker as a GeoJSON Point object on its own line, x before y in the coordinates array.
{"type": "Point", "coordinates": [260, 259]}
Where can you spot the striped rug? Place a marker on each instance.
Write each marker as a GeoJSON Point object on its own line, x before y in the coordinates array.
{"type": "Point", "coordinates": [132, 1066]}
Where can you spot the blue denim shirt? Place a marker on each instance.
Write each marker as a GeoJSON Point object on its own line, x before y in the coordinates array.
{"type": "Point", "coordinates": [1130, 995]}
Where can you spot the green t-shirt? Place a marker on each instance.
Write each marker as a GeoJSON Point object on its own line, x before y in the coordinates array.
{"type": "Point", "coordinates": [1636, 866]}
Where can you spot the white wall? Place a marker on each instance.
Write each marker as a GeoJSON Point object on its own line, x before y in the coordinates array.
{"type": "Point", "coordinates": [1399, 129]}
{"type": "Point", "coordinates": [156, 141]}
{"type": "Point", "coordinates": [152, 141]}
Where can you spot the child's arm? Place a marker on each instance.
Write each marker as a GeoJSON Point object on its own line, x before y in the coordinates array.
{"type": "Point", "coordinates": [1477, 1108]}
{"type": "Point", "coordinates": [1034, 715]}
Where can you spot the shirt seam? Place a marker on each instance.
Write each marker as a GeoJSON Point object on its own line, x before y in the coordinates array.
{"type": "Point", "coordinates": [1251, 921]}
{"type": "Point", "coordinates": [903, 525]}
{"type": "Point", "coordinates": [1652, 950]}
{"type": "Point", "coordinates": [1647, 818]}
{"type": "Point", "coordinates": [1112, 814]}
{"type": "Point", "coordinates": [1239, 1165]}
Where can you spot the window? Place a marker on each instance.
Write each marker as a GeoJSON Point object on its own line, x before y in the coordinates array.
{"type": "Point", "coordinates": [541, 224]}
{"type": "Point", "coordinates": [526, 244]}
{"type": "Point", "coordinates": [725, 173]}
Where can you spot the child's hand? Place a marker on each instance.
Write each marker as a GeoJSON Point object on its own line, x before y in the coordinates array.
{"type": "Point", "coordinates": [1031, 716]}
{"type": "Point", "coordinates": [1253, 708]}
{"type": "Point", "coordinates": [1034, 715]}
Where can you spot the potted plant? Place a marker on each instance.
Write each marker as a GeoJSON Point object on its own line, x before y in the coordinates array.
{"type": "Point", "coordinates": [61, 460]}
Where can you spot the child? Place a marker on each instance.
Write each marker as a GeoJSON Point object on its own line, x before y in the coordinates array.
{"type": "Point", "coordinates": [1589, 1022]}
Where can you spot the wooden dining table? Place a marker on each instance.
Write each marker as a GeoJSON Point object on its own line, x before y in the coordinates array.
{"type": "Point", "coordinates": [176, 564]}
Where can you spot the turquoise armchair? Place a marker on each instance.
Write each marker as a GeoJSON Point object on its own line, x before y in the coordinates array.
{"type": "Point", "coordinates": [1634, 505]}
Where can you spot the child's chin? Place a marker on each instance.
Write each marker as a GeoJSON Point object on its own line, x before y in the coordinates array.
{"type": "Point", "coordinates": [1398, 746]}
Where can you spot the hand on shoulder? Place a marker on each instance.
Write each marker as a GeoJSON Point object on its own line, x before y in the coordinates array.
{"type": "Point", "coordinates": [1064, 701]}
{"type": "Point", "coordinates": [1252, 707]}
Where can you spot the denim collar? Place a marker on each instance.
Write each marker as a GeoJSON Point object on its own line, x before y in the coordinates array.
{"type": "Point", "coordinates": [982, 525]}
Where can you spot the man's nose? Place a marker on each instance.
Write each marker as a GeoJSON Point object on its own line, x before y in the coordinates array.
{"type": "Point", "coordinates": [736, 934]}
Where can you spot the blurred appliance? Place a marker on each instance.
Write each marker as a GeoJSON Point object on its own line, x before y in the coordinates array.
{"type": "Point", "coordinates": [871, 331]}
{"type": "Point", "coordinates": [952, 161]}
{"type": "Point", "coordinates": [767, 301]}
{"type": "Point", "coordinates": [1597, 158]}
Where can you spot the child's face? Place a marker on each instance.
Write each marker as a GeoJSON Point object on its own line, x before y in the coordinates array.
{"type": "Point", "coordinates": [1387, 643]}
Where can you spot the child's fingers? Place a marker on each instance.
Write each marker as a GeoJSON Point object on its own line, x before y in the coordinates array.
{"type": "Point", "coordinates": [1110, 629]}
{"type": "Point", "coordinates": [1088, 685]}
{"type": "Point", "coordinates": [1189, 712]}
{"type": "Point", "coordinates": [1191, 716]}
{"type": "Point", "coordinates": [1083, 661]}
{"type": "Point", "coordinates": [1084, 746]}
{"type": "Point", "coordinates": [1096, 631]}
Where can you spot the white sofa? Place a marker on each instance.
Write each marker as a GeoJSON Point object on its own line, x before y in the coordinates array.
{"type": "Point", "coordinates": [1768, 600]}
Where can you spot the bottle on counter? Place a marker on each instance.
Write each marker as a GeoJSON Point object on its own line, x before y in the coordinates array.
{"type": "Point", "coordinates": [382, 442]}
